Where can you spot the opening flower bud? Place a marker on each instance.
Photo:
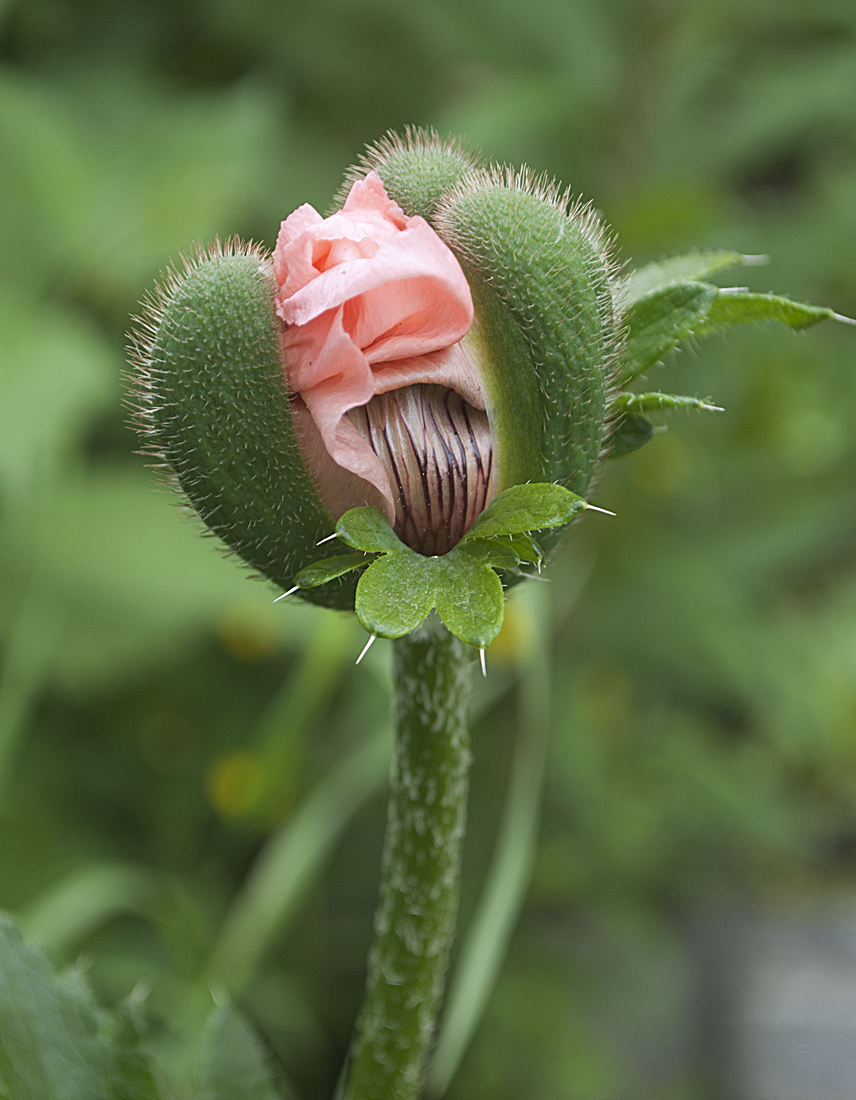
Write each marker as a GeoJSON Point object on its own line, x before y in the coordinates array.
{"type": "Point", "coordinates": [447, 334]}
{"type": "Point", "coordinates": [389, 407]}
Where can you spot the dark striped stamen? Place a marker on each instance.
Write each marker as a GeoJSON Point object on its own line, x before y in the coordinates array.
{"type": "Point", "coordinates": [437, 450]}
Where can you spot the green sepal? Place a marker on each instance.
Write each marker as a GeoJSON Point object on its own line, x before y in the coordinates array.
{"type": "Point", "coordinates": [546, 333]}
{"type": "Point", "coordinates": [741, 307]}
{"type": "Point", "coordinates": [328, 569]}
{"type": "Point", "coordinates": [694, 267]}
{"type": "Point", "coordinates": [470, 600]}
{"type": "Point", "coordinates": [214, 408]}
{"type": "Point", "coordinates": [525, 547]}
{"type": "Point", "coordinates": [417, 170]}
{"type": "Point", "coordinates": [630, 433]}
{"type": "Point", "coordinates": [659, 321]}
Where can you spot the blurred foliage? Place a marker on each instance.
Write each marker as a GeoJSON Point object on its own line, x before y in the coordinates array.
{"type": "Point", "coordinates": [190, 778]}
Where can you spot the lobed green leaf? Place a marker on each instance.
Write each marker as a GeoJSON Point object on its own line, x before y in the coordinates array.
{"type": "Point", "coordinates": [54, 1042]}
{"type": "Point", "coordinates": [234, 1065]}
{"type": "Point", "coordinates": [470, 600]}
{"type": "Point", "coordinates": [368, 529]}
{"type": "Point", "coordinates": [401, 588]}
{"type": "Point", "coordinates": [524, 508]}
{"type": "Point", "coordinates": [396, 593]}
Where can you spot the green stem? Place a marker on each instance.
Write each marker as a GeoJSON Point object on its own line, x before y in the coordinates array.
{"type": "Point", "coordinates": [415, 919]}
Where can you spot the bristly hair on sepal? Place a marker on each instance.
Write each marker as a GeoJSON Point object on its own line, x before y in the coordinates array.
{"type": "Point", "coordinates": [417, 168]}
{"type": "Point", "coordinates": [211, 402]}
{"type": "Point", "coordinates": [145, 327]}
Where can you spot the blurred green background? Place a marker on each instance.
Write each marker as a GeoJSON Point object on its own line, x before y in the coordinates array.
{"type": "Point", "coordinates": [162, 724]}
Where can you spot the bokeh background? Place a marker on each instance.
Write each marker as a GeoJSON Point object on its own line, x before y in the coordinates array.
{"type": "Point", "coordinates": [688, 930]}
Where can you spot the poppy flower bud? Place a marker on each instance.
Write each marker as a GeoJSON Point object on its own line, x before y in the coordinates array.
{"type": "Point", "coordinates": [448, 333]}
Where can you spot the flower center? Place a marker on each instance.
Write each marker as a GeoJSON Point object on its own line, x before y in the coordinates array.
{"type": "Point", "coordinates": [437, 451]}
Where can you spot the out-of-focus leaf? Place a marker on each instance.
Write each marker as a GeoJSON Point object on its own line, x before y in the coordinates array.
{"type": "Point", "coordinates": [88, 898]}
{"type": "Point", "coordinates": [127, 573]}
{"type": "Point", "coordinates": [45, 179]}
{"type": "Point", "coordinates": [659, 321]}
{"type": "Point", "coordinates": [132, 1077]}
{"type": "Point", "coordinates": [52, 1037]}
{"type": "Point", "coordinates": [113, 180]}
{"type": "Point", "coordinates": [695, 267]}
{"type": "Point", "coordinates": [56, 372]}
{"type": "Point", "coordinates": [234, 1064]}
{"type": "Point", "coordinates": [290, 860]}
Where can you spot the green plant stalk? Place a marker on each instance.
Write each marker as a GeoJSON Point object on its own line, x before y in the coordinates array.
{"type": "Point", "coordinates": [416, 914]}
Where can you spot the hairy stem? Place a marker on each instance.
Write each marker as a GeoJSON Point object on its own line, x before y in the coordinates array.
{"type": "Point", "coordinates": [415, 919]}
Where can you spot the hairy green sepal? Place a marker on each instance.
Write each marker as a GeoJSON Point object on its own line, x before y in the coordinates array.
{"type": "Point", "coordinates": [400, 588]}
{"type": "Point", "coordinates": [417, 170]}
{"type": "Point", "coordinates": [215, 409]}
{"type": "Point", "coordinates": [545, 331]}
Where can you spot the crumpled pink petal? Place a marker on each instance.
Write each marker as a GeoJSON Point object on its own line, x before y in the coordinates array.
{"type": "Point", "coordinates": [372, 300]}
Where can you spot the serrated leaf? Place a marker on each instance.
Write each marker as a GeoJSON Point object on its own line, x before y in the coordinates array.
{"type": "Point", "coordinates": [319, 572]}
{"type": "Point", "coordinates": [631, 432]}
{"type": "Point", "coordinates": [524, 508]}
{"type": "Point", "coordinates": [234, 1063]}
{"type": "Point", "coordinates": [470, 600]}
{"type": "Point", "coordinates": [367, 529]}
{"type": "Point", "coordinates": [660, 402]}
{"type": "Point", "coordinates": [694, 267]}
{"type": "Point", "coordinates": [659, 321]}
{"type": "Point", "coordinates": [740, 307]}
{"type": "Point", "coordinates": [396, 593]}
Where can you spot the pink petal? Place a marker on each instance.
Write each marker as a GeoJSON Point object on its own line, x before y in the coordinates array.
{"type": "Point", "coordinates": [373, 300]}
